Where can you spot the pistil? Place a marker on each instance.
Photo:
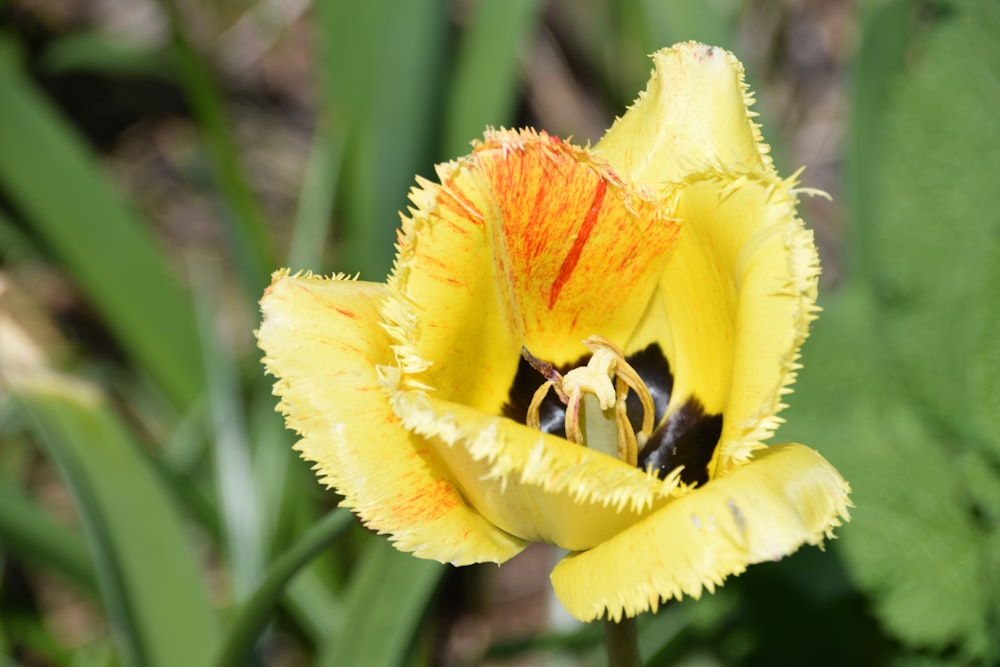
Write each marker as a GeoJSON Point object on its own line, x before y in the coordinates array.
{"type": "Point", "coordinates": [595, 399]}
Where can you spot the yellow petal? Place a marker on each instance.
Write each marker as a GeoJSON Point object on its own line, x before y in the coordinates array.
{"type": "Point", "coordinates": [736, 301]}
{"type": "Point", "coordinates": [527, 242]}
{"type": "Point", "coordinates": [694, 114]}
{"type": "Point", "coordinates": [534, 485]}
{"type": "Point", "coordinates": [787, 496]}
{"type": "Point", "coordinates": [738, 294]}
{"type": "Point", "coordinates": [323, 339]}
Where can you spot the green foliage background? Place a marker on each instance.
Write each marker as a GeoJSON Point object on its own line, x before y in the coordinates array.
{"type": "Point", "coordinates": [148, 490]}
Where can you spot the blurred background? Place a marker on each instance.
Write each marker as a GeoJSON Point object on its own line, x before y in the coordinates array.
{"type": "Point", "coordinates": [158, 158]}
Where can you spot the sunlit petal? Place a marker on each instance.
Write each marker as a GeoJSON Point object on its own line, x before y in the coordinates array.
{"type": "Point", "coordinates": [737, 299]}
{"type": "Point", "coordinates": [322, 338]}
{"type": "Point", "coordinates": [449, 405]}
{"type": "Point", "coordinates": [533, 485]}
{"type": "Point", "coordinates": [786, 497]}
{"type": "Point", "coordinates": [694, 114]}
{"type": "Point", "coordinates": [527, 242]}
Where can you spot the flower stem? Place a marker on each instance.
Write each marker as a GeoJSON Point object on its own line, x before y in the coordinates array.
{"type": "Point", "coordinates": [622, 643]}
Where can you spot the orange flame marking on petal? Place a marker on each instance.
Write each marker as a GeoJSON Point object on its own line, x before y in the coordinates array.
{"type": "Point", "coordinates": [573, 257]}
{"type": "Point", "coordinates": [435, 500]}
{"type": "Point", "coordinates": [454, 200]}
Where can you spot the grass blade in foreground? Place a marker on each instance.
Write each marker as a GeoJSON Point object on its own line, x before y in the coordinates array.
{"type": "Point", "coordinates": [245, 222]}
{"type": "Point", "coordinates": [237, 495]}
{"type": "Point", "coordinates": [312, 219]}
{"type": "Point", "coordinates": [152, 587]}
{"type": "Point", "coordinates": [255, 612]}
{"type": "Point", "coordinates": [385, 603]}
{"type": "Point", "coordinates": [484, 88]}
{"type": "Point", "coordinates": [27, 530]}
{"type": "Point", "coordinates": [56, 183]}
{"type": "Point", "coordinates": [381, 78]}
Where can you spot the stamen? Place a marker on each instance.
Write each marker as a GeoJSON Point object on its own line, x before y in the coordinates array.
{"type": "Point", "coordinates": [630, 377]}
{"type": "Point", "coordinates": [547, 370]}
{"type": "Point", "coordinates": [532, 419]}
{"type": "Point", "coordinates": [594, 378]}
{"type": "Point", "coordinates": [573, 431]}
{"type": "Point", "coordinates": [595, 396]}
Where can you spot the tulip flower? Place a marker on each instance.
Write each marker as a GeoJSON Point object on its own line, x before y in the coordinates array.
{"type": "Point", "coordinates": [587, 347]}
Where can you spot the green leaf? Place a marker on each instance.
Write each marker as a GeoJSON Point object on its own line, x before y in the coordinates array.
{"type": "Point", "coordinates": [483, 90]}
{"type": "Point", "coordinates": [915, 374]}
{"type": "Point", "coordinates": [381, 82]}
{"type": "Point", "coordinates": [28, 531]}
{"type": "Point", "coordinates": [924, 452]}
{"type": "Point", "coordinates": [57, 184]}
{"type": "Point", "coordinates": [14, 244]}
{"type": "Point", "coordinates": [253, 615]}
{"type": "Point", "coordinates": [912, 542]}
{"type": "Point", "coordinates": [106, 54]}
{"type": "Point", "coordinates": [312, 218]}
{"type": "Point", "coordinates": [665, 23]}
{"type": "Point", "coordinates": [148, 574]}
{"type": "Point", "coordinates": [887, 27]}
{"type": "Point", "coordinates": [245, 221]}
{"type": "Point", "coordinates": [384, 604]}
{"type": "Point", "coordinates": [935, 229]}
{"type": "Point", "coordinates": [237, 496]}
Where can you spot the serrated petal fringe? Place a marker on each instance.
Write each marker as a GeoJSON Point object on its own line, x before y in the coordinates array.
{"type": "Point", "coordinates": [673, 236]}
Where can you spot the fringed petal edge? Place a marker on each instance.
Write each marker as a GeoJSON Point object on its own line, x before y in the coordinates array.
{"type": "Point", "coordinates": [786, 496]}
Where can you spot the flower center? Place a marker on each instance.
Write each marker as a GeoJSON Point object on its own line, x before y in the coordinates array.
{"type": "Point", "coordinates": [595, 399]}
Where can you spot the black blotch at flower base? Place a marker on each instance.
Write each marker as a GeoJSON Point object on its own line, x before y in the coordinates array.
{"type": "Point", "coordinates": [688, 437]}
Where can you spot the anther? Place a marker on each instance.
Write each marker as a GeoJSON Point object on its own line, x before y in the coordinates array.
{"type": "Point", "coordinates": [547, 370]}
{"type": "Point", "coordinates": [601, 386]}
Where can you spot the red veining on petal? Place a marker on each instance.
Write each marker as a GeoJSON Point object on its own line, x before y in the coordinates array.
{"type": "Point", "coordinates": [573, 257]}
{"type": "Point", "coordinates": [455, 200]}
{"type": "Point", "coordinates": [536, 206]}
{"type": "Point", "coordinates": [429, 502]}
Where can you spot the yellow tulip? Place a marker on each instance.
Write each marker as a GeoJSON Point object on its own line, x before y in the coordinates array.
{"type": "Point", "coordinates": [581, 346]}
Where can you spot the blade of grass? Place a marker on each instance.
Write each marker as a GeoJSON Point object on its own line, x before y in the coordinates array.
{"type": "Point", "coordinates": [290, 491]}
{"type": "Point", "coordinates": [312, 597]}
{"type": "Point", "coordinates": [645, 26]}
{"type": "Point", "coordinates": [246, 222]}
{"type": "Point", "coordinates": [483, 89]}
{"type": "Point", "coordinates": [876, 68]}
{"type": "Point", "coordinates": [107, 54]}
{"type": "Point", "coordinates": [588, 637]}
{"type": "Point", "coordinates": [28, 531]}
{"type": "Point", "coordinates": [54, 180]}
{"type": "Point", "coordinates": [253, 615]}
{"type": "Point", "coordinates": [384, 604]}
{"type": "Point", "coordinates": [312, 219]}
{"type": "Point", "coordinates": [14, 244]}
{"type": "Point", "coordinates": [235, 488]}
{"type": "Point", "coordinates": [315, 608]}
{"type": "Point", "coordinates": [153, 591]}
{"type": "Point", "coordinates": [286, 485]}
{"type": "Point", "coordinates": [381, 79]}
{"type": "Point", "coordinates": [661, 24]}
{"type": "Point", "coordinates": [279, 484]}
